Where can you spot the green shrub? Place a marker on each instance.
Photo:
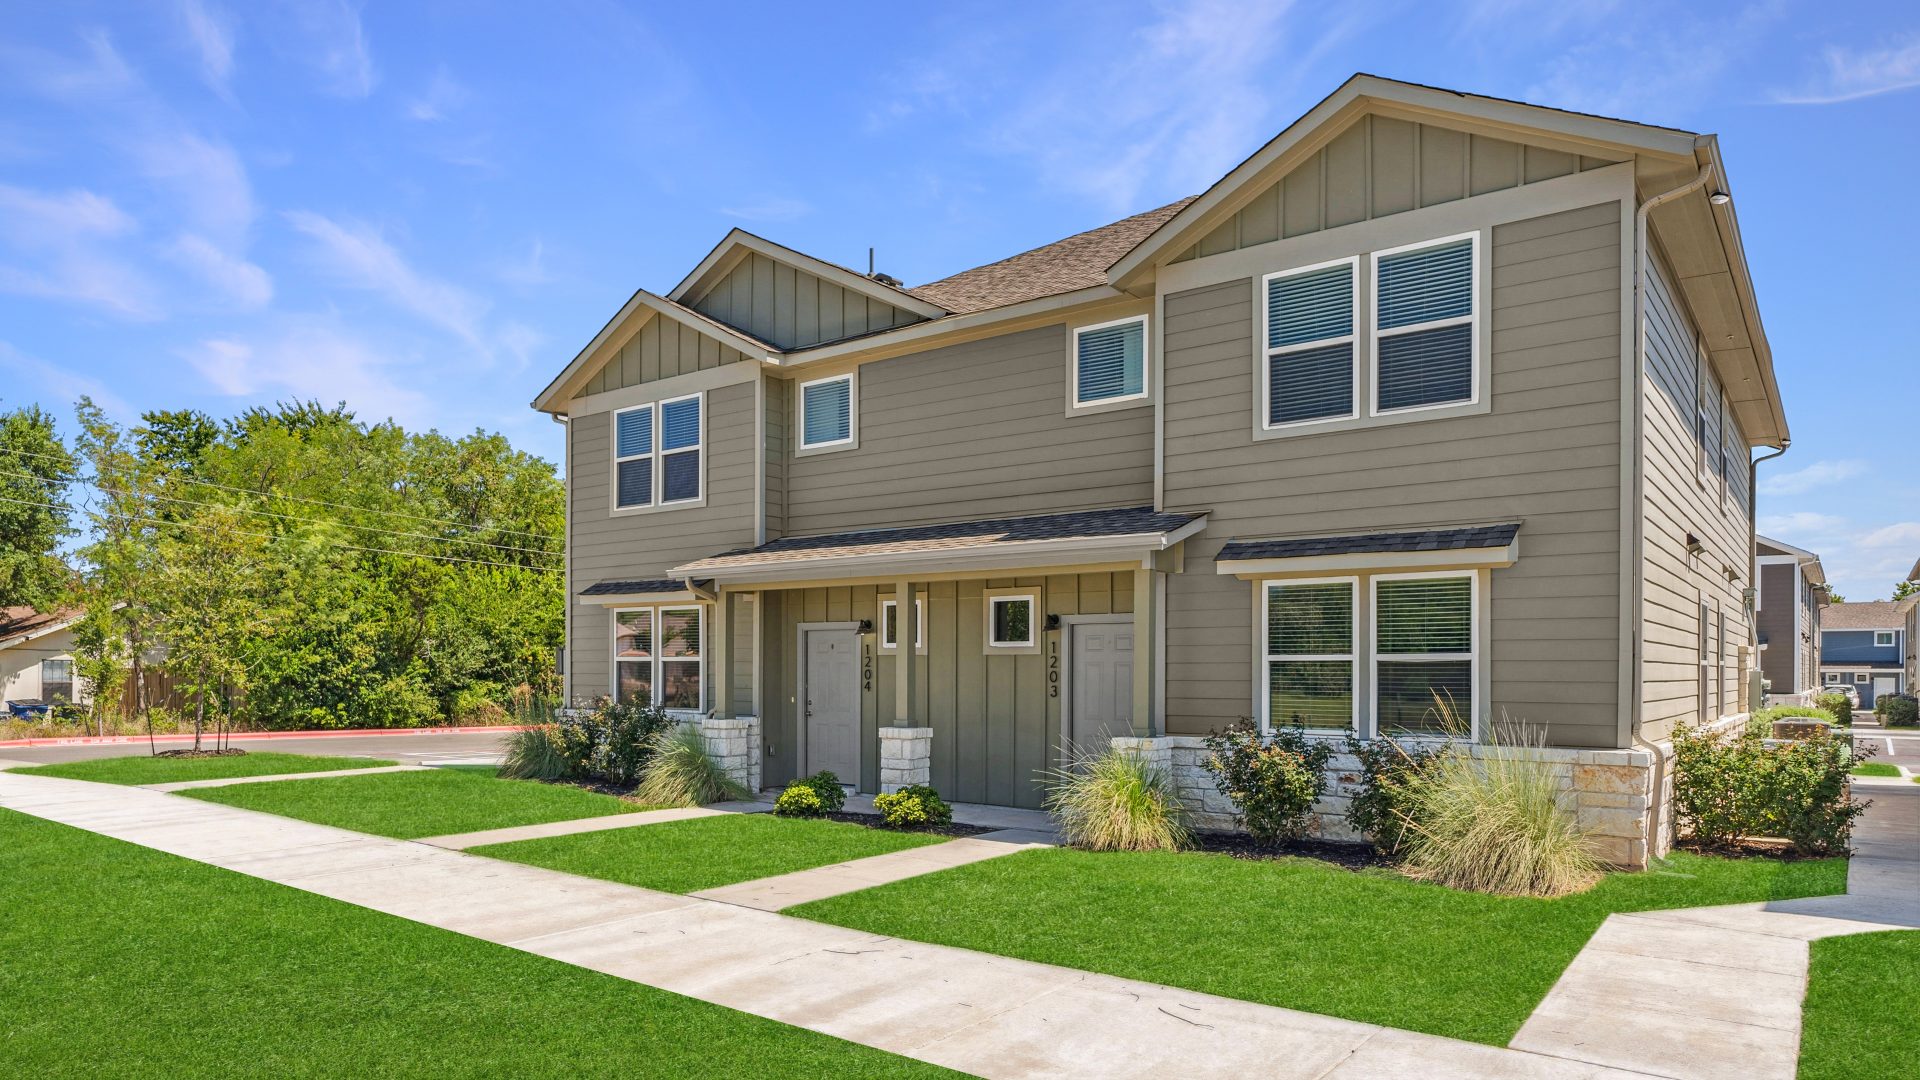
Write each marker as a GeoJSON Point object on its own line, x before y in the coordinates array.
{"type": "Point", "coordinates": [609, 743]}
{"type": "Point", "coordinates": [912, 807]}
{"type": "Point", "coordinates": [1493, 822]}
{"type": "Point", "coordinates": [536, 753]}
{"type": "Point", "coordinates": [811, 796]}
{"type": "Point", "coordinates": [1730, 789]}
{"type": "Point", "coordinates": [1897, 710]}
{"type": "Point", "coordinates": [1838, 706]}
{"type": "Point", "coordinates": [1116, 801]}
{"type": "Point", "coordinates": [1273, 780]}
{"type": "Point", "coordinates": [680, 772]}
{"type": "Point", "coordinates": [1381, 810]}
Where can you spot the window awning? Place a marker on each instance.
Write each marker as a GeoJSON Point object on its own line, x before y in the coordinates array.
{"type": "Point", "coordinates": [1424, 549]}
{"type": "Point", "coordinates": [641, 591]}
{"type": "Point", "coordinates": [1122, 535]}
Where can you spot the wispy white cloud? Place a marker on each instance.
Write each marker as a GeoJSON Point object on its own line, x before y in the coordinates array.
{"type": "Point", "coordinates": [360, 257]}
{"type": "Point", "coordinates": [1802, 523]}
{"type": "Point", "coordinates": [243, 283]}
{"type": "Point", "coordinates": [1904, 535]}
{"type": "Point", "coordinates": [99, 75]}
{"type": "Point", "coordinates": [62, 248]}
{"type": "Point", "coordinates": [529, 271]}
{"type": "Point", "coordinates": [1641, 63]}
{"type": "Point", "coordinates": [1852, 74]}
{"type": "Point", "coordinates": [212, 36]}
{"type": "Point", "coordinates": [1818, 475]}
{"type": "Point", "coordinates": [334, 44]}
{"type": "Point", "coordinates": [311, 358]}
{"type": "Point", "coordinates": [205, 177]}
{"type": "Point", "coordinates": [770, 208]}
{"type": "Point", "coordinates": [443, 95]}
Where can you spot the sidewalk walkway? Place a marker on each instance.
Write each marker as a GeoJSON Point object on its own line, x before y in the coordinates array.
{"type": "Point", "coordinates": [229, 781]}
{"type": "Point", "coordinates": [1716, 992]}
{"type": "Point", "coordinates": [462, 841]}
{"type": "Point", "coordinates": [983, 1014]}
{"type": "Point", "coordinates": [820, 882]}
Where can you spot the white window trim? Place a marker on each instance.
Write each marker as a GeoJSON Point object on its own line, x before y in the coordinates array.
{"type": "Point", "coordinates": [1861, 678]}
{"type": "Point", "coordinates": [1033, 622]}
{"type": "Point", "coordinates": [1832, 678]}
{"type": "Point", "coordinates": [1263, 699]}
{"type": "Point", "coordinates": [1474, 319]}
{"type": "Point", "coordinates": [1075, 405]}
{"type": "Point", "coordinates": [1266, 354]}
{"type": "Point", "coordinates": [658, 455]}
{"type": "Point", "coordinates": [852, 441]}
{"type": "Point", "coordinates": [1475, 643]}
{"type": "Point", "coordinates": [654, 659]}
{"type": "Point", "coordinates": [919, 630]}
{"type": "Point", "coordinates": [1887, 644]}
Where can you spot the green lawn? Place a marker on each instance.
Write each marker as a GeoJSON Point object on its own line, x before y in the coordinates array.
{"type": "Point", "coordinates": [415, 804]}
{"type": "Point", "coordinates": [1862, 1013]}
{"type": "Point", "coordinates": [146, 769]}
{"type": "Point", "coordinates": [1876, 768]}
{"type": "Point", "coordinates": [1370, 946]}
{"type": "Point", "coordinates": [122, 961]}
{"type": "Point", "coordinates": [705, 853]}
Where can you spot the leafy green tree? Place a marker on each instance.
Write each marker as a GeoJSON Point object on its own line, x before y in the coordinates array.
{"type": "Point", "coordinates": [1904, 589]}
{"type": "Point", "coordinates": [215, 597]}
{"type": "Point", "coordinates": [35, 474]}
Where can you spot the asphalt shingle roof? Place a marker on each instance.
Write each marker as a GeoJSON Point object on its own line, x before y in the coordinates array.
{"type": "Point", "coordinates": [624, 588]}
{"type": "Point", "coordinates": [17, 622]}
{"type": "Point", "coordinates": [1479, 536]}
{"type": "Point", "coordinates": [951, 536]}
{"type": "Point", "coordinates": [1863, 615]}
{"type": "Point", "coordinates": [1076, 262]}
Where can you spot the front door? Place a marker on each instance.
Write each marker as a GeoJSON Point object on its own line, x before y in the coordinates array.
{"type": "Point", "coordinates": [1882, 684]}
{"type": "Point", "coordinates": [1100, 681]}
{"type": "Point", "coordinates": [832, 707]}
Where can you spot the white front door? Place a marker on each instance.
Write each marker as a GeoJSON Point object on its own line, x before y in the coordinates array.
{"type": "Point", "coordinates": [1100, 685]}
{"type": "Point", "coordinates": [831, 711]}
{"type": "Point", "coordinates": [1885, 684]}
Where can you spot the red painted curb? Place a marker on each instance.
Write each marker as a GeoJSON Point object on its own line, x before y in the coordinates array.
{"type": "Point", "coordinates": [240, 736]}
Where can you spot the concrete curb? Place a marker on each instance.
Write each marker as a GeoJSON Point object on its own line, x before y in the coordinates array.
{"type": "Point", "coordinates": [252, 736]}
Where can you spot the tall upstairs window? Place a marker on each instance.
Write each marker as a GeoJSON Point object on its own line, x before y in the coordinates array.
{"type": "Point", "coordinates": [657, 451]}
{"type": "Point", "coordinates": [1311, 369]}
{"type": "Point", "coordinates": [1426, 325]}
{"type": "Point", "coordinates": [1110, 362]}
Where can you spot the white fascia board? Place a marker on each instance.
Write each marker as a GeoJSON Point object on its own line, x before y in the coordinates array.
{"type": "Point", "coordinates": [553, 398]}
{"type": "Point", "coordinates": [1454, 559]}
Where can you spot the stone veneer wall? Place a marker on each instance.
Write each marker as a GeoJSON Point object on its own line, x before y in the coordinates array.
{"type": "Point", "coordinates": [1610, 791]}
{"type": "Point", "coordinates": [735, 745]}
{"type": "Point", "coordinates": [906, 757]}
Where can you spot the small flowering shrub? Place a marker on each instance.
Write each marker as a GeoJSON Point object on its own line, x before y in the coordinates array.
{"type": "Point", "coordinates": [1727, 790]}
{"type": "Point", "coordinates": [915, 806]}
{"type": "Point", "coordinates": [1839, 706]}
{"type": "Point", "coordinates": [823, 795]}
{"type": "Point", "coordinates": [1273, 780]}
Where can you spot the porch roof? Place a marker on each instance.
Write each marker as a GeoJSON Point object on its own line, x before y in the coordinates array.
{"type": "Point", "coordinates": [1476, 545]}
{"type": "Point", "coordinates": [1119, 534]}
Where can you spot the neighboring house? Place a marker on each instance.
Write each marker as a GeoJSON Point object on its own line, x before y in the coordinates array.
{"type": "Point", "coordinates": [1910, 622]}
{"type": "Point", "coordinates": [1377, 416]}
{"type": "Point", "coordinates": [1790, 588]}
{"type": "Point", "coordinates": [1864, 645]}
{"type": "Point", "coordinates": [36, 657]}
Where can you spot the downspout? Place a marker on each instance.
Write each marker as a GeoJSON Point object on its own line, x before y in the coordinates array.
{"type": "Point", "coordinates": [566, 564]}
{"type": "Point", "coordinates": [1659, 786]}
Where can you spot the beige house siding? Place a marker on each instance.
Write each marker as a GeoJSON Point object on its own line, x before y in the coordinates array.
{"type": "Point", "coordinates": [778, 430]}
{"type": "Point", "coordinates": [793, 309]}
{"type": "Point", "coordinates": [1380, 166]}
{"type": "Point", "coordinates": [20, 666]}
{"type": "Point", "coordinates": [1677, 500]}
{"type": "Point", "coordinates": [660, 349]}
{"type": "Point", "coordinates": [968, 431]}
{"type": "Point", "coordinates": [1548, 453]}
{"type": "Point", "coordinates": [606, 546]}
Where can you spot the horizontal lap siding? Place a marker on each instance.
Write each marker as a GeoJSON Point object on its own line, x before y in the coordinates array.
{"type": "Point", "coordinates": [971, 431]}
{"type": "Point", "coordinates": [1677, 503]}
{"type": "Point", "coordinates": [641, 546]}
{"type": "Point", "coordinates": [1548, 453]}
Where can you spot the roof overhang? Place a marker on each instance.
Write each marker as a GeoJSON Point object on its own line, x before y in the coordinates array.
{"type": "Point", "coordinates": [38, 632]}
{"type": "Point", "coordinates": [1462, 548]}
{"type": "Point", "coordinates": [739, 243]}
{"type": "Point", "coordinates": [1129, 551]}
{"type": "Point", "coordinates": [643, 306]}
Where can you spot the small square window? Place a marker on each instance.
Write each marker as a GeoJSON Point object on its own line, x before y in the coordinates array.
{"type": "Point", "coordinates": [1860, 677]}
{"type": "Point", "coordinates": [1833, 677]}
{"type": "Point", "coordinates": [1883, 638]}
{"type": "Point", "coordinates": [890, 625]}
{"type": "Point", "coordinates": [1010, 621]}
{"type": "Point", "coordinates": [826, 413]}
{"type": "Point", "coordinates": [1110, 362]}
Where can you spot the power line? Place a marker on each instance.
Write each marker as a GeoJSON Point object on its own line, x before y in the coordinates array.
{"type": "Point", "coordinates": [316, 502]}
{"type": "Point", "coordinates": [95, 483]}
{"type": "Point", "coordinates": [270, 536]}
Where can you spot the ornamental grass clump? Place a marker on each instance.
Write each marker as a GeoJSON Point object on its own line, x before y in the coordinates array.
{"type": "Point", "coordinates": [1116, 801]}
{"type": "Point", "coordinates": [536, 753]}
{"type": "Point", "coordinates": [680, 772]}
{"type": "Point", "coordinates": [1493, 822]}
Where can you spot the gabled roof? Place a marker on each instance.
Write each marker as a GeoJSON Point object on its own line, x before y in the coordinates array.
{"type": "Point", "coordinates": [23, 624]}
{"type": "Point", "coordinates": [728, 251]}
{"type": "Point", "coordinates": [1809, 562]}
{"type": "Point", "coordinates": [1079, 261]}
{"type": "Point", "coordinates": [1862, 615]}
{"type": "Point", "coordinates": [645, 305]}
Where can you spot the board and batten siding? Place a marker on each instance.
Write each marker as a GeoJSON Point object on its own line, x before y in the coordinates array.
{"type": "Point", "coordinates": [660, 349]}
{"type": "Point", "coordinates": [606, 546]}
{"type": "Point", "coordinates": [968, 431]}
{"type": "Point", "coordinates": [1547, 453]}
{"type": "Point", "coordinates": [1678, 500]}
{"type": "Point", "coordinates": [995, 719]}
{"type": "Point", "coordinates": [793, 309]}
{"type": "Point", "coordinates": [1382, 165]}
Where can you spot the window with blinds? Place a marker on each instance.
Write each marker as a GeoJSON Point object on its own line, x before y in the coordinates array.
{"type": "Point", "coordinates": [1310, 372]}
{"type": "Point", "coordinates": [680, 443]}
{"type": "Point", "coordinates": [633, 656]}
{"type": "Point", "coordinates": [1310, 654]}
{"type": "Point", "coordinates": [657, 454]}
{"type": "Point", "coordinates": [657, 657]}
{"type": "Point", "coordinates": [1110, 362]}
{"type": "Point", "coordinates": [1423, 651]}
{"type": "Point", "coordinates": [1425, 326]}
{"type": "Point", "coordinates": [826, 412]}
{"type": "Point", "coordinates": [633, 457]}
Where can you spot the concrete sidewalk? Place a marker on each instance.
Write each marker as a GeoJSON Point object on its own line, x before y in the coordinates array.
{"type": "Point", "coordinates": [462, 841]}
{"type": "Point", "coordinates": [229, 781]}
{"type": "Point", "coordinates": [982, 1014]}
{"type": "Point", "coordinates": [1716, 992]}
{"type": "Point", "coordinates": [820, 882]}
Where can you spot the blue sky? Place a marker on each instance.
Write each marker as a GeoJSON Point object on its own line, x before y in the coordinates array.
{"type": "Point", "coordinates": [426, 208]}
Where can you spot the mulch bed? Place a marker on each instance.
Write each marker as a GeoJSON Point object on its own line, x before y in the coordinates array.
{"type": "Point", "coordinates": [1779, 850]}
{"type": "Point", "coordinates": [1242, 846]}
{"type": "Point", "coordinates": [872, 821]}
{"type": "Point", "coordinates": [231, 751]}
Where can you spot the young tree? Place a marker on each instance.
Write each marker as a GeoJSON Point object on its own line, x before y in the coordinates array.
{"type": "Point", "coordinates": [35, 473]}
{"type": "Point", "coordinates": [115, 631]}
{"type": "Point", "coordinates": [1904, 589]}
{"type": "Point", "coordinates": [213, 592]}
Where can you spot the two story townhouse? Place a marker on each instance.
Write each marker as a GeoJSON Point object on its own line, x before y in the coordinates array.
{"type": "Point", "coordinates": [1435, 395]}
{"type": "Point", "coordinates": [1864, 645]}
{"type": "Point", "coordinates": [1790, 589]}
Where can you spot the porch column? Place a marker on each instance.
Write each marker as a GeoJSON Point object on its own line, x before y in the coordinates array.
{"type": "Point", "coordinates": [1147, 622]}
{"type": "Point", "coordinates": [903, 669]}
{"type": "Point", "coordinates": [719, 641]}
